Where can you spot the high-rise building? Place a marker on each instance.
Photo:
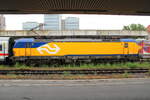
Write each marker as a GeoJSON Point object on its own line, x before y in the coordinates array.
{"type": "Point", "coordinates": [52, 22]}
{"type": "Point", "coordinates": [63, 24]}
{"type": "Point", "coordinates": [41, 26]}
{"type": "Point", "coordinates": [2, 22]}
{"type": "Point", "coordinates": [30, 25]}
{"type": "Point", "coordinates": [70, 23]}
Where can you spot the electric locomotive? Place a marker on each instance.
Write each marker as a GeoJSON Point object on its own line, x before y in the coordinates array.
{"type": "Point", "coordinates": [31, 49]}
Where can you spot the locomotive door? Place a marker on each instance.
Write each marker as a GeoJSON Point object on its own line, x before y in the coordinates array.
{"type": "Point", "coordinates": [126, 48]}
{"type": "Point", "coordinates": [28, 49]}
{"type": "Point", "coordinates": [2, 50]}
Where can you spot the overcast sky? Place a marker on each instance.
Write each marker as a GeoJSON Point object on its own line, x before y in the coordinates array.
{"type": "Point", "coordinates": [106, 22]}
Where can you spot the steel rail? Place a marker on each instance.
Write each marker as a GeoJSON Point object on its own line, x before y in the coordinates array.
{"type": "Point", "coordinates": [81, 71]}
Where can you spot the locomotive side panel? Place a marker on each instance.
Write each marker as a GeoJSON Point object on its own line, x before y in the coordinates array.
{"type": "Point", "coordinates": [71, 48]}
{"type": "Point", "coordinates": [36, 50]}
{"type": "Point", "coordinates": [78, 49]}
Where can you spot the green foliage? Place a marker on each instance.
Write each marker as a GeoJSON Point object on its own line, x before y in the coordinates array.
{"type": "Point", "coordinates": [83, 66]}
{"type": "Point", "coordinates": [108, 65]}
{"type": "Point", "coordinates": [132, 65]}
{"type": "Point", "coordinates": [45, 66]}
{"type": "Point", "coordinates": [21, 66]}
{"type": "Point", "coordinates": [134, 27]}
{"type": "Point", "coordinates": [125, 75]}
{"type": "Point", "coordinates": [66, 73]}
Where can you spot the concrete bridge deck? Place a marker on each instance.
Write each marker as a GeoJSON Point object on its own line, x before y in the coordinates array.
{"type": "Point", "coordinates": [73, 32]}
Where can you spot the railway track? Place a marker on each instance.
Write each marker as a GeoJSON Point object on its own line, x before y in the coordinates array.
{"type": "Point", "coordinates": [82, 71]}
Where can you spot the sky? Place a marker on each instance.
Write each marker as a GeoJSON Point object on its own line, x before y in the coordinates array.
{"type": "Point", "coordinates": [87, 22]}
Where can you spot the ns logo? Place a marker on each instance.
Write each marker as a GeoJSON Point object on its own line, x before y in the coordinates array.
{"type": "Point", "coordinates": [47, 48]}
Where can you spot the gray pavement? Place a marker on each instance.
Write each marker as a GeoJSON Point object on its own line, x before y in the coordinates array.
{"type": "Point", "coordinates": [104, 89]}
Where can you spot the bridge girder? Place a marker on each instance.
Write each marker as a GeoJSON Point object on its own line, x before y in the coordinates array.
{"type": "Point", "coordinates": [118, 7]}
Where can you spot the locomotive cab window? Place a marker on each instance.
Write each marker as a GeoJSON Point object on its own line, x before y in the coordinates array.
{"type": "Point", "coordinates": [126, 45]}
{"type": "Point", "coordinates": [28, 45]}
{"type": "Point", "coordinates": [0, 47]}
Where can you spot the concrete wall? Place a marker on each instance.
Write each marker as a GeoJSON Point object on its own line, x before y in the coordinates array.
{"type": "Point", "coordinates": [78, 32]}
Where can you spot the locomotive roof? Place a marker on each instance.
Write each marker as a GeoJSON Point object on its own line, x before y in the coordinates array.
{"type": "Point", "coordinates": [67, 40]}
{"type": "Point", "coordinates": [25, 40]}
{"type": "Point", "coordinates": [128, 40]}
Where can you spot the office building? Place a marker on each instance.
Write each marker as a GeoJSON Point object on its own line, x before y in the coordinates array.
{"type": "Point", "coordinates": [30, 25]}
{"type": "Point", "coordinates": [52, 22]}
{"type": "Point", "coordinates": [2, 22]}
{"type": "Point", "coordinates": [70, 23]}
{"type": "Point", "coordinates": [63, 24]}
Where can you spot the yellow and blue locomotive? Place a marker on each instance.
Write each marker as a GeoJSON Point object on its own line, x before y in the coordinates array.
{"type": "Point", "coordinates": [30, 48]}
{"type": "Point", "coordinates": [22, 49]}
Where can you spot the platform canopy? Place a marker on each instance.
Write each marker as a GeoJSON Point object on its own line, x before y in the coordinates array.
{"type": "Point", "coordinates": [119, 7]}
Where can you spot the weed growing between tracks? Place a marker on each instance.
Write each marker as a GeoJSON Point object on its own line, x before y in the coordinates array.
{"type": "Point", "coordinates": [73, 77]}
{"type": "Point", "coordinates": [125, 75]}
{"type": "Point", "coordinates": [81, 66]}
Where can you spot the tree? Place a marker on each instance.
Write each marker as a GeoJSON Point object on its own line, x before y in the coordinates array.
{"type": "Point", "coordinates": [134, 27]}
